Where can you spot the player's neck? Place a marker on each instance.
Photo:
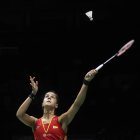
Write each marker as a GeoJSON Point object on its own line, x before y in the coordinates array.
{"type": "Point", "coordinates": [48, 113]}
{"type": "Point", "coordinates": [47, 116]}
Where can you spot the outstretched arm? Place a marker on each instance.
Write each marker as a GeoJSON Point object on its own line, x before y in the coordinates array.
{"type": "Point", "coordinates": [21, 112]}
{"type": "Point", "coordinates": [68, 116]}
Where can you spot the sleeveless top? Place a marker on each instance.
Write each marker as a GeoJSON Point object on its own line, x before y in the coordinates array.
{"type": "Point", "coordinates": [49, 131]}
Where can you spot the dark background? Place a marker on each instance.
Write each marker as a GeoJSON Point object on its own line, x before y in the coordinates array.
{"type": "Point", "coordinates": [56, 42]}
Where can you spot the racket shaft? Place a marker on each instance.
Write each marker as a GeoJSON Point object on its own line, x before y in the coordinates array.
{"type": "Point", "coordinates": [99, 67]}
{"type": "Point", "coordinates": [110, 59]}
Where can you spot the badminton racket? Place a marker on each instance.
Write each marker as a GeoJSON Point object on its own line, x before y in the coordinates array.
{"type": "Point", "coordinates": [119, 53]}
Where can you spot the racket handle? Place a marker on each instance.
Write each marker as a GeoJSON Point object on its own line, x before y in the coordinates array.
{"type": "Point", "coordinates": [99, 67]}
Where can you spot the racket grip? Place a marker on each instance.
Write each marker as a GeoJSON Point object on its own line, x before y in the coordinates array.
{"type": "Point", "coordinates": [99, 67]}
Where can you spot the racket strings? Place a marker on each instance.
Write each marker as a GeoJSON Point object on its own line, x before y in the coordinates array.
{"type": "Point", "coordinates": [125, 47]}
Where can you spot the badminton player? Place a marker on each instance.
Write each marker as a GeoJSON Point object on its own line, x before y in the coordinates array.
{"type": "Point", "coordinates": [50, 126]}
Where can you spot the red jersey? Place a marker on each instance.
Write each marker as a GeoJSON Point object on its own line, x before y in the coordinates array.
{"type": "Point", "coordinates": [54, 130]}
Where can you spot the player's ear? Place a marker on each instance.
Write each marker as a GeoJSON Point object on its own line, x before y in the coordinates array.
{"type": "Point", "coordinates": [56, 106]}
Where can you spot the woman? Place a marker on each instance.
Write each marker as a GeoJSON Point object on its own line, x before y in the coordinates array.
{"type": "Point", "coordinates": [50, 126]}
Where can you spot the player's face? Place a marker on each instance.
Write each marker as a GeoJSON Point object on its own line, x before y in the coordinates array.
{"type": "Point", "coordinates": [50, 100]}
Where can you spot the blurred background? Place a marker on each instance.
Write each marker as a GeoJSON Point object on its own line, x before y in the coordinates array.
{"type": "Point", "coordinates": [57, 43]}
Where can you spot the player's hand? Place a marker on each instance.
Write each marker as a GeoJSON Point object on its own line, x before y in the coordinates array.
{"type": "Point", "coordinates": [34, 85]}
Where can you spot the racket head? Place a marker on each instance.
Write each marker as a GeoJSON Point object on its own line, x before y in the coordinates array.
{"type": "Point", "coordinates": [125, 47]}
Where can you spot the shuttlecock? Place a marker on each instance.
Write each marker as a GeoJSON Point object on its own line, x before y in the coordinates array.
{"type": "Point", "coordinates": [89, 14]}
